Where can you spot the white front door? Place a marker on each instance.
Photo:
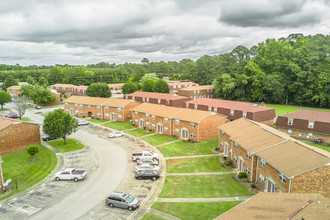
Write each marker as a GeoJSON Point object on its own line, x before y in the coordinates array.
{"type": "Point", "coordinates": [241, 165]}
{"type": "Point", "coordinates": [141, 123]}
{"type": "Point", "coordinates": [71, 111]}
{"type": "Point", "coordinates": [113, 117]}
{"type": "Point", "coordinates": [226, 148]}
{"type": "Point", "coordinates": [184, 134]}
{"type": "Point", "coordinates": [270, 186]}
{"type": "Point", "coordinates": [160, 128]}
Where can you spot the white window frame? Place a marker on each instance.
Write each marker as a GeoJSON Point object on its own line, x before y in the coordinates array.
{"type": "Point", "coordinates": [119, 109]}
{"type": "Point", "coordinates": [80, 105]}
{"type": "Point", "coordinates": [107, 115]}
{"type": "Point", "coordinates": [167, 102]}
{"type": "Point", "coordinates": [261, 178]}
{"type": "Point", "coordinates": [119, 117]}
{"type": "Point", "coordinates": [262, 163]}
{"type": "Point", "coordinates": [76, 105]}
{"type": "Point", "coordinates": [215, 110]}
{"type": "Point", "coordinates": [210, 109]}
{"type": "Point", "coordinates": [248, 155]}
{"type": "Point", "coordinates": [282, 177]}
{"type": "Point", "coordinates": [147, 123]}
{"type": "Point", "coordinates": [232, 112]}
{"type": "Point", "coordinates": [136, 113]}
{"type": "Point", "coordinates": [165, 128]}
{"type": "Point", "coordinates": [158, 101]}
{"type": "Point", "coordinates": [153, 125]}
{"type": "Point", "coordinates": [177, 131]}
{"type": "Point", "coordinates": [192, 134]}
{"type": "Point", "coordinates": [187, 105]}
{"type": "Point", "coordinates": [147, 99]}
{"type": "Point", "coordinates": [136, 121]}
{"type": "Point", "coordinates": [106, 107]}
{"type": "Point", "coordinates": [244, 114]}
{"type": "Point", "coordinates": [310, 124]}
{"type": "Point", "coordinates": [235, 145]}
{"type": "Point", "coordinates": [310, 135]}
{"type": "Point", "coordinates": [143, 99]}
{"type": "Point", "coordinates": [98, 107]}
{"type": "Point", "coordinates": [290, 121]}
{"type": "Point", "coordinates": [289, 131]}
{"type": "Point", "coordinates": [166, 119]}
{"type": "Point", "coordinates": [66, 103]}
{"type": "Point", "coordinates": [177, 121]}
{"type": "Point", "coordinates": [195, 107]}
{"type": "Point", "coordinates": [192, 124]}
{"type": "Point", "coordinates": [153, 117]}
{"type": "Point", "coordinates": [147, 115]}
{"type": "Point", "coordinates": [98, 115]}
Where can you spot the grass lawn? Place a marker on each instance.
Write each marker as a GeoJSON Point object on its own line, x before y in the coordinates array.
{"type": "Point", "coordinates": [149, 216]}
{"type": "Point", "coordinates": [26, 119]}
{"type": "Point", "coordinates": [119, 125]}
{"type": "Point", "coordinates": [195, 210]}
{"type": "Point", "coordinates": [285, 109]}
{"type": "Point", "coordinates": [182, 148]}
{"type": "Point", "coordinates": [18, 166]}
{"type": "Point", "coordinates": [193, 165]}
{"type": "Point", "coordinates": [203, 186]}
{"type": "Point", "coordinates": [138, 132]}
{"type": "Point", "coordinates": [158, 139]}
{"type": "Point", "coordinates": [2, 116]}
{"type": "Point", "coordinates": [95, 121]}
{"type": "Point", "coordinates": [327, 148]}
{"type": "Point", "coordinates": [71, 145]}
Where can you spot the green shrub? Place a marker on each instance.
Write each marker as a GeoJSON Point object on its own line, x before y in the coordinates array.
{"type": "Point", "coordinates": [229, 162]}
{"type": "Point", "coordinates": [217, 148]}
{"type": "Point", "coordinates": [253, 185]}
{"type": "Point", "coordinates": [189, 140]}
{"type": "Point", "coordinates": [32, 150]}
{"type": "Point", "coordinates": [225, 157]}
{"type": "Point", "coordinates": [150, 130]}
{"type": "Point", "coordinates": [83, 116]}
{"type": "Point", "coordinates": [242, 175]}
{"type": "Point", "coordinates": [97, 119]}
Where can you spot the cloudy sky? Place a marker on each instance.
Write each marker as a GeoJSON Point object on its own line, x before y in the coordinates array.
{"type": "Point", "coordinates": [48, 32]}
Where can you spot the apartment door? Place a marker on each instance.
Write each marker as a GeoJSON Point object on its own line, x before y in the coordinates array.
{"type": "Point", "coordinates": [160, 128]}
{"type": "Point", "coordinates": [141, 123]}
{"type": "Point", "coordinates": [113, 117]}
{"type": "Point", "coordinates": [71, 111]}
{"type": "Point", "coordinates": [226, 150]}
{"type": "Point", "coordinates": [185, 134]}
{"type": "Point", "coordinates": [89, 114]}
{"type": "Point", "coordinates": [270, 186]}
{"type": "Point", "coordinates": [241, 164]}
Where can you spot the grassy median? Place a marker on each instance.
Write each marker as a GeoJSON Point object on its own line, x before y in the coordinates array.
{"type": "Point", "coordinates": [71, 145]}
{"type": "Point", "coordinates": [158, 139]}
{"type": "Point", "coordinates": [119, 125]}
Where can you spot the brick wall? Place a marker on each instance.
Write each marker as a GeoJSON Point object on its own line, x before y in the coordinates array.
{"type": "Point", "coordinates": [208, 128]}
{"type": "Point", "coordinates": [18, 136]}
{"type": "Point", "coordinates": [202, 93]}
{"type": "Point", "coordinates": [14, 93]}
{"type": "Point", "coordinates": [158, 120]}
{"type": "Point", "coordinates": [303, 135]}
{"type": "Point", "coordinates": [84, 110]}
{"type": "Point", "coordinates": [269, 122]}
{"type": "Point", "coordinates": [315, 181]}
{"type": "Point", "coordinates": [128, 112]}
{"type": "Point", "coordinates": [186, 125]}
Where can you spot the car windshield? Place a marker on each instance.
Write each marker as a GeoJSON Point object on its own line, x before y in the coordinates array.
{"type": "Point", "coordinates": [129, 199]}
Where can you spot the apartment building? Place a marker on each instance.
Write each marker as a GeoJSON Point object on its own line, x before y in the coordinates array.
{"type": "Point", "coordinates": [176, 85]}
{"type": "Point", "coordinates": [14, 91]}
{"type": "Point", "coordinates": [65, 89]}
{"type": "Point", "coordinates": [195, 92]}
{"type": "Point", "coordinates": [79, 90]}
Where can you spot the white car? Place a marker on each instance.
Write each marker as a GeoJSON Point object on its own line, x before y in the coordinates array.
{"type": "Point", "coordinates": [146, 166]}
{"type": "Point", "coordinates": [82, 122]}
{"type": "Point", "coordinates": [70, 174]}
{"type": "Point", "coordinates": [116, 134]}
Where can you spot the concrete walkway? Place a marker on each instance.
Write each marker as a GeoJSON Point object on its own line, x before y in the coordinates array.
{"type": "Point", "coordinates": [183, 157]}
{"type": "Point", "coordinates": [200, 173]}
{"type": "Point", "coordinates": [162, 214]}
{"type": "Point", "coordinates": [167, 143]}
{"type": "Point", "coordinates": [219, 199]}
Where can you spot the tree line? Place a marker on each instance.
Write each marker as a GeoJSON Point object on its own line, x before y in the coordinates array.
{"type": "Point", "coordinates": [291, 70]}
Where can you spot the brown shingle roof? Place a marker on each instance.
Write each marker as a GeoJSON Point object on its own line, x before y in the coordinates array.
{"type": "Point", "coordinates": [5, 122]}
{"type": "Point", "coordinates": [227, 104]}
{"type": "Point", "coordinates": [14, 87]}
{"type": "Point", "coordinates": [116, 84]}
{"type": "Point", "coordinates": [292, 158]}
{"type": "Point", "coordinates": [280, 206]}
{"type": "Point", "coordinates": [158, 110]}
{"type": "Point", "coordinates": [63, 85]}
{"type": "Point", "coordinates": [86, 100]}
{"type": "Point", "coordinates": [156, 95]}
{"type": "Point", "coordinates": [80, 87]}
{"type": "Point", "coordinates": [118, 102]}
{"type": "Point", "coordinates": [310, 115]}
{"type": "Point", "coordinates": [192, 88]}
{"type": "Point", "coordinates": [192, 115]}
{"type": "Point", "coordinates": [176, 83]}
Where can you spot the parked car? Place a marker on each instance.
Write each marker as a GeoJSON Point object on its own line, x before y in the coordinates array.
{"type": "Point", "coordinates": [144, 155]}
{"type": "Point", "coordinates": [83, 122]}
{"type": "Point", "coordinates": [62, 108]}
{"type": "Point", "coordinates": [12, 115]}
{"type": "Point", "coordinates": [122, 200]}
{"type": "Point", "coordinates": [146, 166]}
{"type": "Point", "coordinates": [147, 174]}
{"type": "Point", "coordinates": [116, 134]}
{"type": "Point", "coordinates": [70, 174]}
{"type": "Point", "coordinates": [38, 107]}
{"type": "Point", "coordinates": [47, 138]}
{"type": "Point", "coordinates": [148, 161]}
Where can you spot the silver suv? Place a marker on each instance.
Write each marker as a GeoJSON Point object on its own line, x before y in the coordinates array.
{"type": "Point", "coordinates": [122, 200]}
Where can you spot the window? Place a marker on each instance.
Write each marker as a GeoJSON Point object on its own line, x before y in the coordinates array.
{"type": "Point", "coordinates": [282, 177]}
{"type": "Point", "coordinates": [195, 107]}
{"type": "Point", "coordinates": [81, 113]}
{"type": "Point", "coordinates": [89, 106]}
{"type": "Point", "coordinates": [232, 112]}
{"type": "Point", "coordinates": [187, 105]}
{"type": "Point", "coordinates": [147, 123]}
{"type": "Point", "coordinates": [192, 124]}
{"type": "Point", "coordinates": [77, 112]}
{"type": "Point", "coordinates": [133, 98]}
{"type": "Point", "coordinates": [98, 107]}
{"type": "Point", "coordinates": [98, 115]}
{"type": "Point", "coordinates": [235, 145]}
{"type": "Point", "coordinates": [153, 117]}
{"type": "Point", "coordinates": [174, 87]}
{"type": "Point", "coordinates": [215, 110]}
{"type": "Point", "coordinates": [221, 143]}
{"type": "Point", "coordinates": [147, 115]}
{"type": "Point", "coordinates": [147, 99]}
{"type": "Point", "coordinates": [261, 178]}
{"type": "Point", "coordinates": [262, 162]}
{"type": "Point", "coordinates": [119, 109]}
{"type": "Point", "coordinates": [247, 169]}
{"type": "Point", "coordinates": [290, 121]}
{"type": "Point", "coordinates": [166, 119]}
{"type": "Point", "coordinates": [167, 102]}
{"type": "Point", "coordinates": [158, 101]}
{"type": "Point", "coordinates": [210, 109]}
{"type": "Point", "coordinates": [107, 115]}
{"type": "Point", "coordinates": [66, 103]}
{"type": "Point", "coordinates": [244, 114]}
{"type": "Point", "coordinates": [67, 110]}
{"type": "Point", "coordinates": [119, 116]}
{"type": "Point", "coordinates": [106, 108]}
{"type": "Point", "coordinates": [76, 105]}
{"type": "Point", "coordinates": [248, 155]}
{"type": "Point", "coordinates": [177, 131]}
{"type": "Point", "coordinates": [126, 97]}
{"type": "Point", "coordinates": [280, 191]}
{"type": "Point", "coordinates": [235, 158]}
{"type": "Point", "coordinates": [136, 113]}
{"type": "Point", "coordinates": [194, 91]}
{"type": "Point", "coordinates": [192, 134]}
{"type": "Point", "coordinates": [80, 106]}
{"type": "Point", "coordinates": [136, 121]}
{"type": "Point", "coordinates": [310, 124]}
{"type": "Point", "coordinates": [166, 128]}
{"type": "Point", "coordinates": [177, 121]}
{"type": "Point", "coordinates": [144, 99]}
{"type": "Point", "coordinates": [310, 135]}
{"type": "Point", "coordinates": [222, 133]}
{"type": "Point", "coordinates": [290, 131]}
{"type": "Point", "coordinates": [197, 91]}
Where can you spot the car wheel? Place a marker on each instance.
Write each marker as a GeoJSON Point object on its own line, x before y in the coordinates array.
{"type": "Point", "coordinates": [153, 178]}
{"type": "Point", "coordinates": [57, 179]}
{"type": "Point", "coordinates": [138, 160]}
{"type": "Point", "coordinates": [130, 208]}
{"type": "Point", "coordinates": [75, 179]}
{"type": "Point", "coordinates": [111, 205]}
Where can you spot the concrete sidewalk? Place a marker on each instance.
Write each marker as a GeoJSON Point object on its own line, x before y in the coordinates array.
{"type": "Point", "coordinates": [200, 173]}
{"type": "Point", "coordinates": [219, 199]}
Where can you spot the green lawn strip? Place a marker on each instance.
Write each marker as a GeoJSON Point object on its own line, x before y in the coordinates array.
{"type": "Point", "coordinates": [138, 132]}
{"type": "Point", "coordinates": [158, 139]}
{"type": "Point", "coordinates": [285, 109]}
{"type": "Point", "coordinates": [2, 116]}
{"type": "Point", "coordinates": [149, 216]}
{"type": "Point", "coordinates": [119, 125]}
{"type": "Point", "coordinates": [195, 210]}
{"type": "Point", "coordinates": [193, 165]}
{"type": "Point", "coordinates": [327, 148]}
{"type": "Point", "coordinates": [96, 121]}
{"type": "Point", "coordinates": [183, 148]}
{"type": "Point", "coordinates": [18, 166]}
{"type": "Point", "coordinates": [71, 145]}
{"type": "Point", "coordinates": [26, 119]}
{"type": "Point", "coordinates": [202, 186]}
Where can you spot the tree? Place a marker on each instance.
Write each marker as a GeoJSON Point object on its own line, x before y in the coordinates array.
{"type": "Point", "coordinates": [161, 86]}
{"type": "Point", "coordinates": [19, 107]}
{"type": "Point", "coordinates": [58, 124]}
{"type": "Point", "coordinates": [43, 82]}
{"type": "Point", "coordinates": [129, 87]}
{"type": "Point", "coordinates": [10, 81]}
{"type": "Point", "coordinates": [30, 80]}
{"type": "Point", "coordinates": [44, 95]}
{"type": "Point", "coordinates": [148, 85]}
{"type": "Point", "coordinates": [4, 98]}
{"type": "Point", "coordinates": [152, 76]}
{"type": "Point", "coordinates": [98, 90]}
{"type": "Point", "coordinates": [145, 61]}
{"type": "Point", "coordinates": [33, 149]}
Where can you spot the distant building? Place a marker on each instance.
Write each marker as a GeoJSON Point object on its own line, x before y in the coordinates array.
{"type": "Point", "coordinates": [115, 86]}
{"type": "Point", "coordinates": [234, 110]}
{"type": "Point", "coordinates": [279, 206]}
{"type": "Point", "coordinates": [195, 92]}
{"type": "Point", "coordinates": [14, 91]}
{"type": "Point", "coordinates": [65, 89]}
{"type": "Point", "coordinates": [158, 98]}
{"type": "Point", "coordinates": [79, 90]}
{"type": "Point", "coordinates": [176, 85]}
{"type": "Point", "coordinates": [306, 124]}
